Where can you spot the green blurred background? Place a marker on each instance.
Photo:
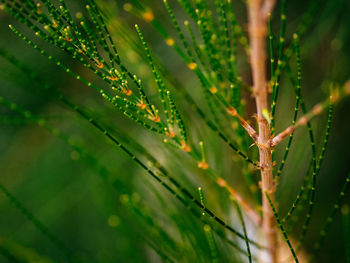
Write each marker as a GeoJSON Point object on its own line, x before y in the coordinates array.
{"type": "Point", "coordinates": [84, 211]}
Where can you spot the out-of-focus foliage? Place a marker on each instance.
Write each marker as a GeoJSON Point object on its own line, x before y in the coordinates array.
{"type": "Point", "coordinates": [71, 193]}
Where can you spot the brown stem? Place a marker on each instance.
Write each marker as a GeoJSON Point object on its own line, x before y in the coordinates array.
{"type": "Point", "coordinates": [257, 19]}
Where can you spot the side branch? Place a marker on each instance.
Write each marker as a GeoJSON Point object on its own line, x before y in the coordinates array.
{"type": "Point", "coordinates": [335, 96]}
{"type": "Point", "coordinates": [249, 129]}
